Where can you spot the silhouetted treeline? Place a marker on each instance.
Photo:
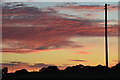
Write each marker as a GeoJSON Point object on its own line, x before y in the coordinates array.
{"type": "Point", "coordinates": [82, 68]}
{"type": "Point", "coordinates": [5, 70]}
{"type": "Point", "coordinates": [77, 68]}
{"type": "Point", "coordinates": [49, 69]}
{"type": "Point", "coordinates": [23, 71]}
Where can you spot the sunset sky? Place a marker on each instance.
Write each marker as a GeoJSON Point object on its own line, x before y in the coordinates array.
{"type": "Point", "coordinates": [36, 35]}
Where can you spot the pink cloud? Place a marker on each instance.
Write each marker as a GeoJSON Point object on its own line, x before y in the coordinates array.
{"type": "Point", "coordinates": [82, 53]}
{"type": "Point", "coordinates": [39, 30]}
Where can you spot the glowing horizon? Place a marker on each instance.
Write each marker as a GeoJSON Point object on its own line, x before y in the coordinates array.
{"type": "Point", "coordinates": [37, 35]}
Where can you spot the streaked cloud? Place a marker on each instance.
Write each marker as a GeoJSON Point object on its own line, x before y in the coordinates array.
{"type": "Point", "coordinates": [40, 65]}
{"type": "Point", "coordinates": [15, 65]}
{"type": "Point", "coordinates": [116, 61]}
{"type": "Point", "coordinates": [82, 53]}
{"type": "Point", "coordinates": [79, 60]}
{"type": "Point", "coordinates": [30, 29]}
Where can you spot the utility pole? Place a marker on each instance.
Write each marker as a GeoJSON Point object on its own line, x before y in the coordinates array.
{"type": "Point", "coordinates": [106, 37]}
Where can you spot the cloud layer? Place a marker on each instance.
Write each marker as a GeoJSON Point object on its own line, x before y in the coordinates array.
{"type": "Point", "coordinates": [28, 29]}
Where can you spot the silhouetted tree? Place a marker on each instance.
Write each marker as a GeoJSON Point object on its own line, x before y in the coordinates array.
{"type": "Point", "coordinates": [23, 71]}
{"type": "Point", "coordinates": [81, 66]}
{"type": "Point", "coordinates": [101, 68]}
{"type": "Point", "coordinates": [5, 70]}
{"type": "Point", "coordinates": [116, 67]}
{"type": "Point", "coordinates": [76, 68]}
{"type": "Point", "coordinates": [50, 69]}
{"type": "Point", "coordinates": [68, 69]}
{"type": "Point", "coordinates": [43, 69]}
{"type": "Point", "coordinates": [87, 68]}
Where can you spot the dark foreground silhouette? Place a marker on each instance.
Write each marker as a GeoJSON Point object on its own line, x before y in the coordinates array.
{"type": "Point", "coordinates": [78, 72]}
